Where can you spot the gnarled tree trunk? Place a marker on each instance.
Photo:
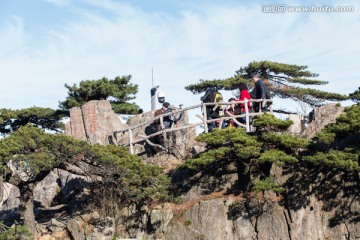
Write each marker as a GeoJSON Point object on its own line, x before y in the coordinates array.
{"type": "Point", "coordinates": [1, 188]}
{"type": "Point", "coordinates": [26, 208]}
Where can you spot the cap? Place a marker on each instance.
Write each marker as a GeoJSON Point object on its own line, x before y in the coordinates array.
{"type": "Point", "coordinates": [172, 107]}
{"type": "Point", "coordinates": [166, 104]}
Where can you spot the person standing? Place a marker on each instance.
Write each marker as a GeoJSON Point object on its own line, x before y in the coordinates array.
{"type": "Point", "coordinates": [212, 112]}
{"type": "Point", "coordinates": [244, 94]}
{"type": "Point", "coordinates": [233, 109]}
{"type": "Point", "coordinates": [259, 91]}
{"type": "Point", "coordinates": [155, 127]}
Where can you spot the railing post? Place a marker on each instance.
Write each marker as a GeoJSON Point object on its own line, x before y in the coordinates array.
{"type": "Point", "coordinates": [161, 121]}
{"type": "Point", "coordinates": [130, 141]}
{"type": "Point", "coordinates": [247, 118]}
{"type": "Point", "coordinates": [205, 118]}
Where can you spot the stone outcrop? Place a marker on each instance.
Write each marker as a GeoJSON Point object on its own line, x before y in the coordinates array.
{"type": "Point", "coordinates": [184, 138]}
{"type": "Point", "coordinates": [320, 117]}
{"type": "Point", "coordinates": [9, 202]}
{"type": "Point", "coordinates": [229, 218]}
{"type": "Point", "coordinates": [59, 182]}
{"type": "Point", "coordinates": [218, 217]}
{"type": "Point", "coordinates": [95, 122]}
{"type": "Point", "coordinates": [298, 125]}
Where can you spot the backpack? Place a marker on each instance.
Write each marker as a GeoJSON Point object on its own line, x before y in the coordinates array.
{"type": "Point", "coordinates": [212, 96]}
{"type": "Point", "coordinates": [218, 98]}
{"type": "Point", "coordinates": [209, 95]}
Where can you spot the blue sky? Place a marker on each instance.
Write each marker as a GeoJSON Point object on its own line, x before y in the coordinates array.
{"type": "Point", "coordinates": [47, 43]}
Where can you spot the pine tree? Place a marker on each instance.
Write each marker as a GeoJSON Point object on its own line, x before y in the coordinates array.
{"type": "Point", "coordinates": [118, 91]}
{"type": "Point", "coordinates": [283, 80]}
{"type": "Point", "coordinates": [355, 96]}
{"type": "Point", "coordinates": [336, 148]}
{"type": "Point", "coordinates": [44, 118]}
{"type": "Point", "coordinates": [252, 153]}
{"type": "Point", "coordinates": [37, 153]}
{"type": "Point", "coordinates": [338, 144]}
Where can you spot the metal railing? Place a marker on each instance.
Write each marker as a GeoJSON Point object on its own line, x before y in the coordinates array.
{"type": "Point", "coordinates": [204, 121]}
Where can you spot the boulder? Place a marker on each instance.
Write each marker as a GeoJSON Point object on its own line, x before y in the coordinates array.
{"type": "Point", "coordinates": [297, 127]}
{"type": "Point", "coordinates": [10, 199]}
{"type": "Point", "coordinates": [9, 204]}
{"type": "Point", "coordinates": [91, 227]}
{"type": "Point", "coordinates": [59, 183]}
{"type": "Point", "coordinates": [94, 122]}
{"type": "Point", "coordinates": [183, 138]}
{"type": "Point", "coordinates": [320, 117]}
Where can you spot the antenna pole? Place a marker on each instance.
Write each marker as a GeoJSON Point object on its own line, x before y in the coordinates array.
{"type": "Point", "coordinates": [153, 91]}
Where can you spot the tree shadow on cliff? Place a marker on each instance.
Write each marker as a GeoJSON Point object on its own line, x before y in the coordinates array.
{"type": "Point", "coordinates": [71, 199]}
{"type": "Point", "coordinates": [134, 222]}
{"type": "Point", "coordinates": [215, 177]}
{"type": "Point", "coordinates": [339, 191]}
{"type": "Point", "coordinates": [10, 216]}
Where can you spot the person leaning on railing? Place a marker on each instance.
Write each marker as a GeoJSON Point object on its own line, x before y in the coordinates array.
{"type": "Point", "coordinates": [172, 119]}
{"type": "Point", "coordinates": [259, 91]}
{"type": "Point", "coordinates": [156, 125]}
{"type": "Point", "coordinates": [233, 109]}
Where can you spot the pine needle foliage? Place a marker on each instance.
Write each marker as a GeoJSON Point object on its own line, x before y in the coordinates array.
{"type": "Point", "coordinates": [355, 96]}
{"type": "Point", "coordinates": [118, 91]}
{"type": "Point", "coordinates": [286, 142]}
{"type": "Point", "coordinates": [283, 80]}
{"type": "Point", "coordinates": [44, 118]}
{"type": "Point", "coordinates": [223, 145]}
{"type": "Point", "coordinates": [266, 184]}
{"type": "Point", "coordinates": [267, 122]}
{"type": "Point", "coordinates": [335, 158]}
{"type": "Point", "coordinates": [15, 233]}
{"type": "Point", "coordinates": [277, 156]}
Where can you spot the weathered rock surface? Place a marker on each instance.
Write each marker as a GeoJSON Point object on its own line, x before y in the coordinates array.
{"type": "Point", "coordinates": [179, 149]}
{"type": "Point", "coordinates": [224, 218]}
{"type": "Point", "coordinates": [57, 182]}
{"type": "Point", "coordinates": [95, 122]}
{"type": "Point", "coordinates": [10, 197]}
{"type": "Point", "coordinates": [320, 117]}
{"type": "Point", "coordinates": [297, 127]}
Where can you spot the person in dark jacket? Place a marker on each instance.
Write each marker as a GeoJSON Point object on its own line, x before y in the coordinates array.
{"type": "Point", "coordinates": [259, 91]}
{"type": "Point", "coordinates": [233, 109]}
{"type": "Point", "coordinates": [210, 113]}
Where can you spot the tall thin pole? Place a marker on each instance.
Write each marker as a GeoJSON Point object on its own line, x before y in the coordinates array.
{"type": "Point", "coordinates": [152, 77]}
{"type": "Point", "coordinates": [153, 91]}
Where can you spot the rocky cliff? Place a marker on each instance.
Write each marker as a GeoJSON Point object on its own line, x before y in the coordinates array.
{"type": "Point", "coordinates": [310, 211]}
{"type": "Point", "coordinates": [317, 204]}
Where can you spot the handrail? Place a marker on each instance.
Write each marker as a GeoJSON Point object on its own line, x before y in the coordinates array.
{"type": "Point", "coordinates": [204, 120]}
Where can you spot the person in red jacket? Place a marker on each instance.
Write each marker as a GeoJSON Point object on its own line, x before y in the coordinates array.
{"type": "Point", "coordinates": [244, 93]}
